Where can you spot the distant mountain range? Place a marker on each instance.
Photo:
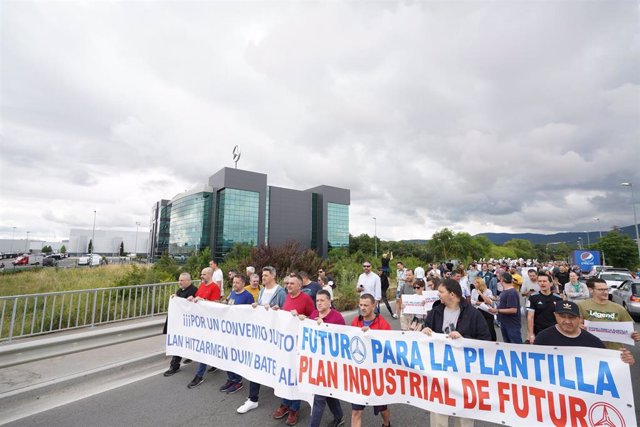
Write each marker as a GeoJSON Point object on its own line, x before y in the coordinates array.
{"type": "Point", "coordinates": [570, 238]}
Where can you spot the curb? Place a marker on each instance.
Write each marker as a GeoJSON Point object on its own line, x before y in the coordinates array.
{"type": "Point", "coordinates": [43, 348]}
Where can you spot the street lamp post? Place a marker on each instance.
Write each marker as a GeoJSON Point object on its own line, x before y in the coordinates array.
{"type": "Point", "coordinates": [28, 241]}
{"type": "Point", "coordinates": [13, 236]}
{"type": "Point", "coordinates": [93, 232]}
{"type": "Point", "coordinates": [375, 236]}
{"type": "Point", "coordinates": [600, 238]}
{"type": "Point", "coordinates": [136, 250]}
{"type": "Point", "coordinates": [635, 217]}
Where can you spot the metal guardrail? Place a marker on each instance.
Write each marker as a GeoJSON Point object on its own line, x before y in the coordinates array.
{"type": "Point", "coordinates": [36, 314]}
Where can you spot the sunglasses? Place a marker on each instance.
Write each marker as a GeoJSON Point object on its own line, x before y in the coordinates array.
{"type": "Point", "coordinates": [417, 287]}
{"type": "Point", "coordinates": [366, 266]}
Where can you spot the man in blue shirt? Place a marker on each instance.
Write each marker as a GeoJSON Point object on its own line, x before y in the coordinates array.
{"type": "Point", "coordinates": [508, 311]}
{"type": "Point", "coordinates": [238, 296]}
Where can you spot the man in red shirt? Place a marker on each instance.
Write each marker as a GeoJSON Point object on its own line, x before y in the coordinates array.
{"type": "Point", "coordinates": [368, 319]}
{"type": "Point", "coordinates": [208, 291]}
{"type": "Point", "coordinates": [297, 302]}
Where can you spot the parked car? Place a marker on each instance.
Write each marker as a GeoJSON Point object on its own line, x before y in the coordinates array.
{"type": "Point", "coordinates": [628, 296]}
{"type": "Point", "coordinates": [614, 279]}
{"type": "Point", "coordinates": [50, 261]}
{"type": "Point", "coordinates": [597, 269]}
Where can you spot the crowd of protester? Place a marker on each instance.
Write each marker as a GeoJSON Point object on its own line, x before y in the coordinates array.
{"type": "Point", "coordinates": [546, 300]}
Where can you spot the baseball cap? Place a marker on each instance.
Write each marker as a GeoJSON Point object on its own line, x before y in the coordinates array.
{"type": "Point", "coordinates": [568, 307]}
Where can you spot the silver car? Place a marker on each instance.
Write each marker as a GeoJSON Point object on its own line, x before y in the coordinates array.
{"type": "Point", "coordinates": [614, 279]}
{"type": "Point", "coordinates": [628, 296]}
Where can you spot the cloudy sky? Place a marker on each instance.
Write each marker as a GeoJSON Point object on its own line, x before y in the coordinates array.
{"type": "Point", "coordinates": [477, 116]}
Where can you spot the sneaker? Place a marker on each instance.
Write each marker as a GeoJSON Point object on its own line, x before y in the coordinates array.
{"type": "Point", "coordinates": [280, 412]}
{"type": "Point", "coordinates": [195, 382]}
{"type": "Point", "coordinates": [395, 316]}
{"type": "Point", "coordinates": [247, 406]}
{"type": "Point", "coordinates": [234, 387]}
{"type": "Point", "coordinates": [170, 372]}
{"type": "Point", "coordinates": [336, 423]}
{"type": "Point", "coordinates": [292, 419]}
{"type": "Point", "coordinates": [186, 361]}
{"type": "Point", "coordinates": [226, 386]}
{"type": "Point", "coordinates": [212, 369]}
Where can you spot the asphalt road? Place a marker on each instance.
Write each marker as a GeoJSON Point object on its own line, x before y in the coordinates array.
{"type": "Point", "coordinates": [160, 401]}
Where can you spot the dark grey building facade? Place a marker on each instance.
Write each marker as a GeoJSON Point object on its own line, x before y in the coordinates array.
{"type": "Point", "coordinates": [238, 206]}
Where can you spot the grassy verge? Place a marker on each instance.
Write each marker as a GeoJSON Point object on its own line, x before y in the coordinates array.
{"type": "Point", "coordinates": [62, 279]}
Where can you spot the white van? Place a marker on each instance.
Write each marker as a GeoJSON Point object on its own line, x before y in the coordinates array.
{"type": "Point", "coordinates": [90, 259]}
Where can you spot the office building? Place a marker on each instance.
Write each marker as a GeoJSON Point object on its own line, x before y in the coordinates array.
{"type": "Point", "coordinates": [238, 206]}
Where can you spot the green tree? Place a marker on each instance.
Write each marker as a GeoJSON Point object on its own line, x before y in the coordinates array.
{"type": "Point", "coordinates": [198, 261]}
{"type": "Point", "coordinates": [522, 248]}
{"type": "Point", "coordinates": [363, 243]}
{"type": "Point", "coordinates": [442, 244]}
{"type": "Point", "coordinates": [620, 250]}
{"type": "Point", "coordinates": [63, 249]}
{"type": "Point", "coordinates": [47, 249]}
{"type": "Point", "coordinates": [121, 248]}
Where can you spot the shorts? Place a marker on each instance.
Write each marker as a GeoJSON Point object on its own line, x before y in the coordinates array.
{"type": "Point", "coordinates": [399, 291]}
{"type": "Point", "coordinates": [376, 409]}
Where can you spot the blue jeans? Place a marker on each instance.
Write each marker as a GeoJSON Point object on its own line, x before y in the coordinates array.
{"type": "Point", "coordinates": [319, 402]}
{"type": "Point", "coordinates": [233, 377]}
{"type": "Point", "coordinates": [510, 334]}
{"type": "Point", "coordinates": [202, 368]}
{"type": "Point", "coordinates": [293, 405]}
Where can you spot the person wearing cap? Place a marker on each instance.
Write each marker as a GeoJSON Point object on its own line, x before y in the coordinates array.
{"type": "Point", "coordinates": [568, 333]}
{"type": "Point", "coordinates": [540, 308]}
{"type": "Point", "coordinates": [508, 311]}
{"type": "Point", "coordinates": [517, 279]}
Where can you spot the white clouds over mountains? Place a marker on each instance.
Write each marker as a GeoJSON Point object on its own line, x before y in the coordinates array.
{"type": "Point", "coordinates": [481, 116]}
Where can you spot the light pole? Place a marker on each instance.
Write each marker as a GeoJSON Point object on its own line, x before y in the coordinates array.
{"type": "Point", "coordinates": [93, 233]}
{"type": "Point", "coordinates": [375, 236]}
{"type": "Point", "coordinates": [28, 241]}
{"type": "Point", "coordinates": [588, 240]}
{"type": "Point", "coordinates": [136, 250]}
{"type": "Point", "coordinates": [635, 217]}
{"type": "Point", "coordinates": [600, 238]}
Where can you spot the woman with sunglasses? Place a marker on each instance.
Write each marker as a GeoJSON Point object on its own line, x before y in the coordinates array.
{"type": "Point", "coordinates": [418, 319]}
{"type": "Point", "coordinates": [456, 318]}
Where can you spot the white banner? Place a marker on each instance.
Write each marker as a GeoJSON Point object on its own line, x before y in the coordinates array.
{"type": "Point", "coordinates": [256, 343]}
{"type": "Point", "coordinates": [612, 331]}
{"type": "Point", "coordinates": [419, 304]}
{"type": "Point", "coordinates": [502, 383]}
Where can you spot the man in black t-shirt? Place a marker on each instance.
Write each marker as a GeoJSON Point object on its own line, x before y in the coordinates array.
{"type": "Point", "coordinates": [540, 308]}
{"type": "Point", "coordinates": [568, 333]}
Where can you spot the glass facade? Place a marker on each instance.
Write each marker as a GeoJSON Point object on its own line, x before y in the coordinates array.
{"type": "Point", "coordinates": [337, 225]}
{"type": "Point", "coordinates": [237, 219]}
{"type": "Point", "coordinates": [163, 227]}
{"type": "Point", "coordinates": [190, 223]}
{"type": "Point", "coordinates": [266, 216]}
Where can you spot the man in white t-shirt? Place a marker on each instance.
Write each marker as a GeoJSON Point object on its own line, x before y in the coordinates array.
{"type": "Point", "coordinates": [369, 283]}
{"type": "Point", "coordinates": [218, 275]}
